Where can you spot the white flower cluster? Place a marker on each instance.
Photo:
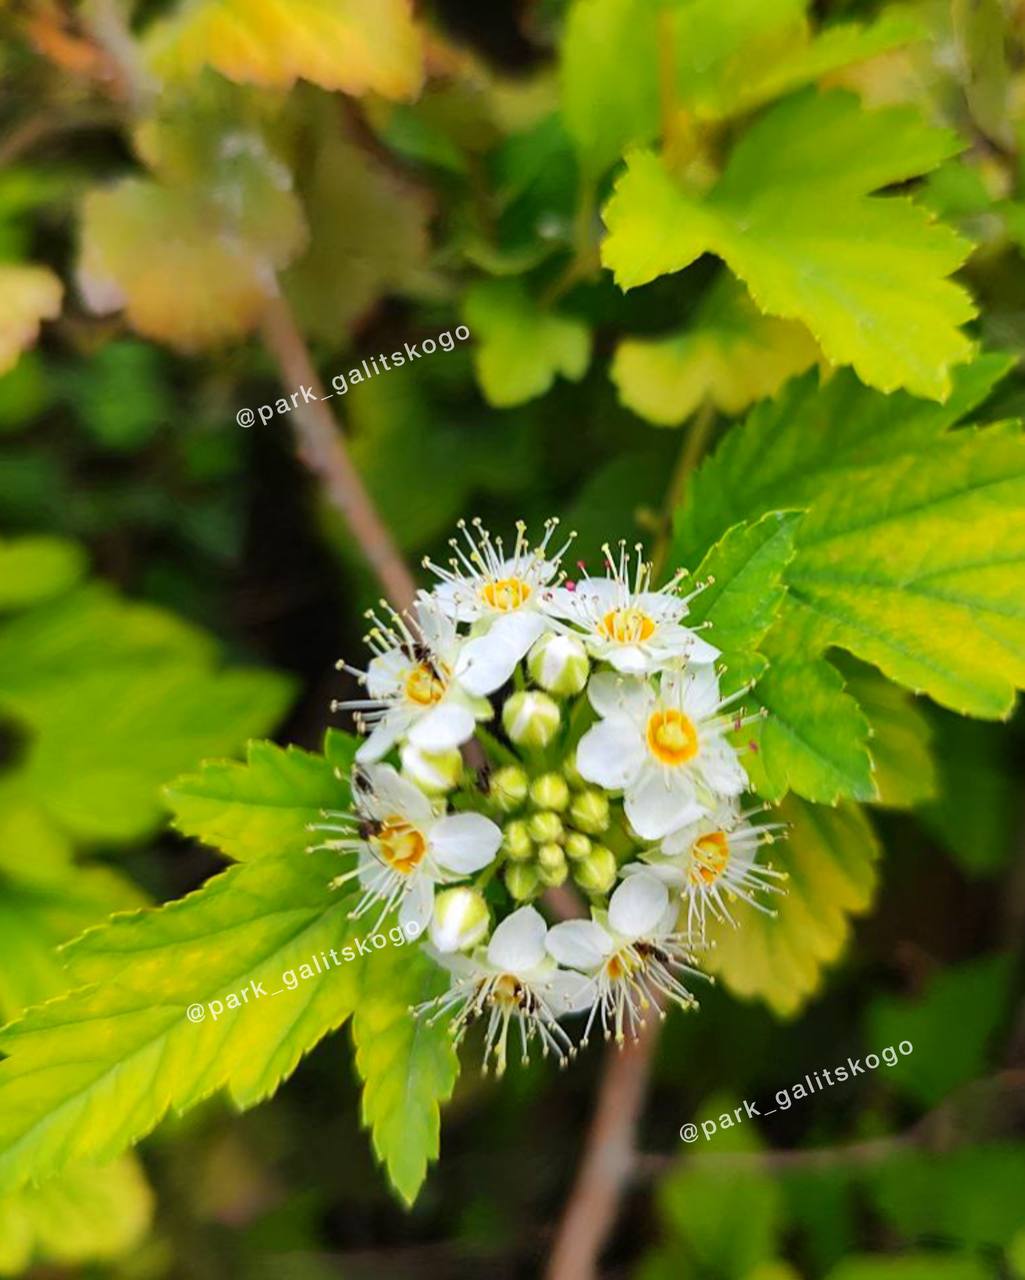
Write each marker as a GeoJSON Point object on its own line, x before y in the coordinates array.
{"type": "Point", "coordinates": [548, 730]}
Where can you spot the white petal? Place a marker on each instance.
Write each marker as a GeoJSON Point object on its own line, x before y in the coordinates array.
{"type": "Point", "coordinates": [699, 651]}
{"type": "Point", "coordinates": [599, 595]}
{"type": "Point", "coordinates": [579, 944]}
{"type": "Point", "coordinates": [372, 875]}
{"type": "Point", "coordinates": [659, 803]}
{"type": "Point", "coordinates": [386, 673]}
{"type": "Point", "coordinates": [417, 906]}
{"type": "Point", "coordinates": [660, 605]}
{"type": "Point", "coordinates": [611, 753]}
{"type": "Point", "coordinates": [447, 725]}
{"type": "Point", "coordinates": [568, 993]}
{"type": "Point", "coordinates": [487, 661]}
{"type": "Point", "coordinates": [637, 906]}
{"type": "Point", "coordinates": [670, 875]}
{"type": "Point", "coordinates": [721, 769]}
{"type": "Point", "coordinates": [699, 692]}
{"type": "Point", "coordinates": [518, 944]}
{"type": "Point", "coordinates": [462, 966]}
{"type": "Point", "coordinates": [397, 794]}
{"type": "Point", "coordinates": [386, 733]}
{"type": "Point", "coordinates": [630, 659]}
{"type": "Point", "coordinates": [618, 695]}
{"type": "Point", "coordinates": [464, 842]}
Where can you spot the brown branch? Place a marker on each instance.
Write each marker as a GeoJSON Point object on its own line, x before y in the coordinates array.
{"type": "Point", "coordinates": [609, 1159]}
{"type": "Point", "coordinates": [322, 449]}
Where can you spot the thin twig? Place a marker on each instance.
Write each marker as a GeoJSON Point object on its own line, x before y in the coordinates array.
{"type": "Point", "coordinates": [322, 449]}
{"type": "Point", "coordinates": [608, 1160]}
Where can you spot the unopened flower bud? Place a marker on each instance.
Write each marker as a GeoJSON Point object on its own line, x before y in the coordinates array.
{"type": "Point", "coordinates": [550, 792]}
{"type": "Point", "coordinates": [550, 857]}
{"type": "Point", "coordinates": [569, 772]}
{"type": "Point", "coordinates": [517, 843]}
{"type": "Point", "coordinates": [559, 664]}
{"type": "Point", "coordinates": [545, 827]}
{"type": "Point", "coordinates": [460, 919]}
{"type": "Point", "coordinates": [508, 787]}
{"type": "Point", "coordinates": [590, 811]}
{"type": "Point", "coordinates": [597, 872]}
{"type": "Point", "coordinates": [521, 880]}
{"type": "Point", "coordinates": [551, 877]}
{"type": "Point", "coordinates": [433, 772]}
{"type": "Point", "coordinates": [531, 719]}
{"type": "Point", "coordinates": [577, 845]}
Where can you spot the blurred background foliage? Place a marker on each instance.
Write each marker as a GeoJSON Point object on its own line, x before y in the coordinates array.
{"type": "Point", "coordinates": [172, 584]}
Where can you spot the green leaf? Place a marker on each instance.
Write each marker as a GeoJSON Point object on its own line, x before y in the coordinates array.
{"type": "Point", "coordinates": [35, 918]}
{"type": "Point", "coordinates": [814, 739]}
{"type": "Point", "coordinates": [905, 772]}
{"type": "Point", "coordinates": [35, 569]}
{"type": "Point", "coordinates": [608, 81]}
{"type": "Point", "coordinates": [264, 806]}
{"type": "Point", "coordinates": [724, 1221]}
{"type": "Point", "coordinates": [730, 357]}
{"type": "Point", "coordinates": [85, 1215]}
{"type": "Point", "coordinates": [92, 1072]}
{"type": "Point", "coordinates": [521, 347]}
{"type": "Point", "coordinates": [745, 569]}
{"type": "Point", "coordinates": [810, 439]}
{"type": "Point", "coordinates": [975, 812]}
{"type": "Point", "coordinates": [829, 855]}
{"type": "Point", "coordinates": [972, 1196]}
{"type": "Point", "coordinates": [408, 1066]}
{"type": "Point", "coordinates": [794, 218]}
{"type": "Point", "coordinates": [912, 1266]}
{"type": "Point", "coordinates": [919, 568]}
{"type": "Point", "coordinates": [971, 997]}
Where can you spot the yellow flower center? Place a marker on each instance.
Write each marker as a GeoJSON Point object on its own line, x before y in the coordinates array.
{"type": "Point", "coordinates": [506, 594]}
{"type": "Point", "coordinates": [672, 737]}
{"type": "Point", "coordinates": [627, 626]}
{"type": "Point", "coordinates": [709, 858]}
{"type": "Point", "coordinates": [620, 965]}
{"type": "Point", "coordinates": [398, 844]}
{"type": "Point", "coordinates": [423, 686]}
{"type": "Point", "coordinates": [507, 991]}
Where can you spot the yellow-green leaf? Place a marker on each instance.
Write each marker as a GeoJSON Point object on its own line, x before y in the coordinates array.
{"type": "Point", "coordinates": [34, 569]}
{"type": "Point", "coordinates": [358, 46]}
{"type": "Point", "coordinates": [830, 856]}
{"type": "Point", "coordinates": [730, 356]}
{"type": "Point", "coordinates": [31, 295]}
{"type": "Point", "coordinates": [793, 216]}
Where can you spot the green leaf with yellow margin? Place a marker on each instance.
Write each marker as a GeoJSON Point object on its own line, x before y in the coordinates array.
{"type": "Point", "coordinates": [408, 1064]}
{"type": "Point", "coordinates": [264, 806]}
{"type": "Point", "coordinates": [95, 1070]}
{"type": "Point", "coordinates": [31, 295]}
{"type": "Point", "coordinates": [905, 771]}
{"type": "Point", "coordinates": [829, 856]}
{"type": "Point", "coordinates": [357, 46]}
{"type": "Point", "coordinates": [794, 217]}
{"type": "Point", "coordinates": [730, 356]}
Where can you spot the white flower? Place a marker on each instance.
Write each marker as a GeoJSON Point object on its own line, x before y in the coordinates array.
{"type": "Point", "coordinates": [504, 597]}
{"type": "Point", "coordinates": [712, 861]}
{"type": "Point", "coordinates": [626, 624]}
{"type": "Point", "coordinates": [632, 957]}
{"type": "Point", "coordinates": [513, 978]}
{"type": "Point", "coordinates": [411, 686]}
{"type": "Point", "coordinates": [403, 847]}
{"type": "Point", "coordinates": [663, 747]}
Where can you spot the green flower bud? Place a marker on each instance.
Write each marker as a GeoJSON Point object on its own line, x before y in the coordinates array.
{"type": "Point", "coordinates": [552, 878]}
{"type": "Point", "coordinates": [545, 827]}
{"type": "Point", "coordinates": [559, 664]}
{"type": "Point", "coordinates": [521, 880]}
{"type": "Point", "coordinates": [433, 772]}
{"type": "Point", "coordinates": [508, 787]}
{"type": "Point", "coordinates": [531, 719]}
{"type": "Point", "coordinates": [550, 792]}
{"type": "Point", "coordinates": [577, 845]}
{"type": "Point", "coordinates": [590, 811]}
{"type": "Point", "coordinates": [517, 843]}
{"type": "Point", "coordinates": [597, 872]}
{"type": "Point", "coordinates": [550, 857]}
{"type": "Point", "coordinates": [569, 772]}
{"type": "Point", "coordinates": [460, 919]}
